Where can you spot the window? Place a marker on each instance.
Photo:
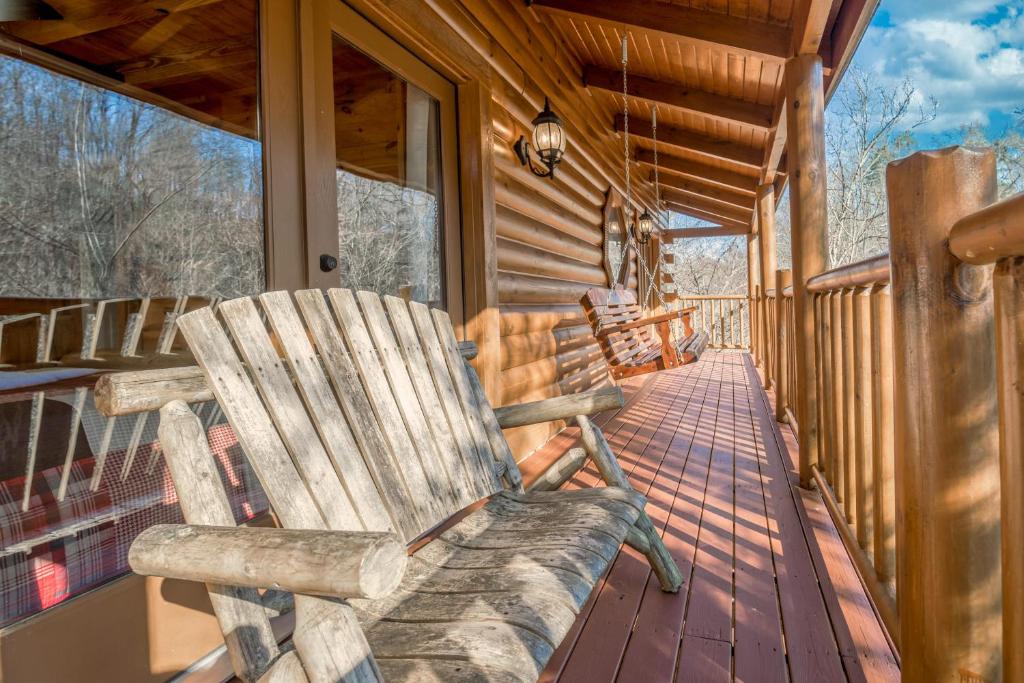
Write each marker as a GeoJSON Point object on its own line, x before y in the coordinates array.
{"type": "Point", "coordinates": [393, 139]}
{"type": "Point", "coordinates": [131, 190]}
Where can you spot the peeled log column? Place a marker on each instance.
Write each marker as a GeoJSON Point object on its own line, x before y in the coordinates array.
{"type": "Point", "coordinates": [1009, 286]}
{"type": "Point", "coordinates": [783, 279]}
{"type": "Point", "coordinates": [769, 260]}
{"type": "Point", "coordinates": [805, 124]}
{"type": "Point", "coordinates": [752, 273]}
{"type": "Point", "coordinates": [946, 423]}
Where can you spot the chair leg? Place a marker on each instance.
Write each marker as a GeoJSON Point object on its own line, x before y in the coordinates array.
{"type": "Point", "coordinates": [644, 536]}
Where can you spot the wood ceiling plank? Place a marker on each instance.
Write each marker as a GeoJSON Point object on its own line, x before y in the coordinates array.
{"type": "Point", "coordinates": [769, 41]}
{"type": "Point", "coordinates": [696, 142]}
{"type": "Point", "coordinates": [706, 216]}
{"type": "Point", "coordinates": [700, 172]}
{"type": "Point", "coordinates": [705, 203]}
{"type": "Point", "coordinates": [681, 97]}
{"type": "Point", "coordinates": [729, 196]}
{"type": "Point", "coordinates": [710, 231]}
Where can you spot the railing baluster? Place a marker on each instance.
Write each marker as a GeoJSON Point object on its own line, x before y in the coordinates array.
{"type": "Point", "coordinates": [882, 437]}
{"type": "Point", "coordinates": [839, 412]}
{"type": "Point", "coordinates": [849, 410]}
{"type": "Point", "coordinates": [819, 384]}
{"type": "Point", "coordinates": [865, 483]}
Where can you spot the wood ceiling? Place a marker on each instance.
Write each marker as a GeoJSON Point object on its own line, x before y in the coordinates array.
{"type": "Point", "coordinates": [197, 57]}
{"type": "Point", "coordinates": [714, 69]}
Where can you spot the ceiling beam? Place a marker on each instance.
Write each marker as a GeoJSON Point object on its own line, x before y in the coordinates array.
{"type": "Point", "coordinates": [739, 199]}
{"type": "Point", "coordinates": [704, 203]}
{"type": "Point", "coordinates": [718, 107]}
{"type": "Point", "coordinates": [811, 19]}
{"type": "Point", "coordinates": [702, 173]}
{"type": "Point", "coordinates": [711, 231]}
{"type": "Point", "coordinates": [695, 142]}
{"type": "Point", "coordinates": [706, 216]}
{"type": "Point", "coordinates": [767, 41]}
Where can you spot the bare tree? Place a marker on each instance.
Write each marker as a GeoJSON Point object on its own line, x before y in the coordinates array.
{"type": "Point", "coordinates": [102, 196]}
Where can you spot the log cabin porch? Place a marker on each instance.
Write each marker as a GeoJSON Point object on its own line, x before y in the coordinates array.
{"type": "Point", "coordinates": [770, 592]}
{"type": "Point", "coordinates": [395, 146]}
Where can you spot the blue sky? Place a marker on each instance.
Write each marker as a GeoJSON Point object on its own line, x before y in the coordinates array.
{"type": "Point", "coordinates": [967, 54]}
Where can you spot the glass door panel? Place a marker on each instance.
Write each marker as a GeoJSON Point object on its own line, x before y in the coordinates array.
{"type": "Point", "coordinates": [390, 200]}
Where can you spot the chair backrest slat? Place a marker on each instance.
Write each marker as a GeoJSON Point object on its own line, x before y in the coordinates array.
{"type": "Point", "coordinates": [483, 424]}
{"type": "Point", "coordinates": [355, 413]}
{"type": "Point", "coordinates": [328, 418]}
{"type": "Point", "coordinates": [455, 452]}
{"type": "Point", "coordinates": [415, 414]}
{"type": "Point", "coordinates": [451, 377]}
{"type": "Point", "coordinates": [272, 379]}
{"type": "Point", "coordinates": [256, 432]}
{"type": "Point", "coordinates": [386, 467]}
{"type": "Point", "coordinates": [427, 497]}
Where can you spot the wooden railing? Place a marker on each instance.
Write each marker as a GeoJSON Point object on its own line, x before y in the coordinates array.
{"type": "Point", "coordinates": [722, 317]}
{"type": "Point", "coordinates": [854, 390]}
{"type": "Point", "coordinates": [919, 370]}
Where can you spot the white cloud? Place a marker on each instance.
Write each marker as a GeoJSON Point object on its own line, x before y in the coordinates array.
{"type": "Point", "coordinates": [968, 56]}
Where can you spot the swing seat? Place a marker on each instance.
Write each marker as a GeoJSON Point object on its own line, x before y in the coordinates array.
{"type": "Point", "coordinates": [626, 340]}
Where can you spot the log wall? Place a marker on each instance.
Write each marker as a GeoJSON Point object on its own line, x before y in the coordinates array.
{"type": "Point", "coordinates": [549, 251]}
{"type": "Point", "coordinates": [548, 231]}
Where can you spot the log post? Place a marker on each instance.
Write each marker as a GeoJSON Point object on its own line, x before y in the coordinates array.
{"type": "Point", "coordinates": [946, 425]}
{"type": "Point", "coordinates": [752, 274]}
{"type": "Point", "coordinates": [805, 124]}
{"type": "Point", "coordinates": [769, 260]}
{"type": "Point", "coordinates": [479, 241]}
{"type": "Point", "coordinates": [783, 279]}
{"type": "Point", "coordinates": [1009, 304]}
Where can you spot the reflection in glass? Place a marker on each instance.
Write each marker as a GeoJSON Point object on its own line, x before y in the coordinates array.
{"type": "Point", "coordinates": [129, 194]}
{"type": "Point", "coordinates": [615, 244]}
{"type": "Point", "coordinates": [387, 138]}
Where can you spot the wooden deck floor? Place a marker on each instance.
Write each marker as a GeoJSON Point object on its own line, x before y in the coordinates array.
{"type": "Point", "coordinates": [770, 593]}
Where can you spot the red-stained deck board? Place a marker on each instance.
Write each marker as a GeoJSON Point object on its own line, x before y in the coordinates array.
{"type": "Point", "coordinates": [603, 639]}
{"type": "Point", "coordinates": [759, 647]}
{"type": "Point", "coordinates": [770, 593]}
{"type": "Point", "coordinates": [863, 645]}
{"type": "Point", "coordinates": [652, 651]}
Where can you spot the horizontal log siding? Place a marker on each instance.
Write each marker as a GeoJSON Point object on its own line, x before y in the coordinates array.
{"type": "Point", "coordinates": [549, 248]}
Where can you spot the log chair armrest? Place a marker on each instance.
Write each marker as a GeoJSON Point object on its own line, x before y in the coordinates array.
{"type": "Point", "coordinates": [342, 564]}
{"type": "Point", "coordinates": [559, 408]}
{"type": "Point", "coordinates": [653, 320]}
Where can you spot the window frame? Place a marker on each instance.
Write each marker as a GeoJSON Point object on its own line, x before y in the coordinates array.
{"type": "Point", "coordinates": [322, 20]}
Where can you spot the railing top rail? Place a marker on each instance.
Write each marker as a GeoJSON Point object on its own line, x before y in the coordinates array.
{"type": "Point", "coordinates": [709, 297]}
{"type": "Point", "coordinates": [991, 234]}
{"type": "Point", "coordinates": [872, 271]}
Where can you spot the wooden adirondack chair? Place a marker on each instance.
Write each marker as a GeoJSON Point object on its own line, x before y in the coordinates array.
{"type": "Point", "coordinates": [627, 343]}
{"type": "Point", "coordinates": [368, 430]}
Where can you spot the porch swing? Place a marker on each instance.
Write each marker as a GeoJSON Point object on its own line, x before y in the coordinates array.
{"type": "Point", "coordinates": [615, 315]}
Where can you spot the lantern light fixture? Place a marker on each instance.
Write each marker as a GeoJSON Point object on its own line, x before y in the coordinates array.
{"type": "Point", "coordinates": [643, 227]}
{"type": "Point", "coordinates": [548, 143]}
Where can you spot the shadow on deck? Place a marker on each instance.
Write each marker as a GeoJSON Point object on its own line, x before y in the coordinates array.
{"type": "Point", "coordinates": [770, 593]}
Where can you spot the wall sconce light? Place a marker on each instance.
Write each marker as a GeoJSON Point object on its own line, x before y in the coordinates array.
{"type": "Point", "coordinates": [643, 227]}
{"type": "Point", "coordinates": [548, 143]}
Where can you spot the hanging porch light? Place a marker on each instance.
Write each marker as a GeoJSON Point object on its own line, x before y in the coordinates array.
{"type": "Point", "coordinates": [548, 143]}
{"type": "Point", "coordinates": [643, 227]}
